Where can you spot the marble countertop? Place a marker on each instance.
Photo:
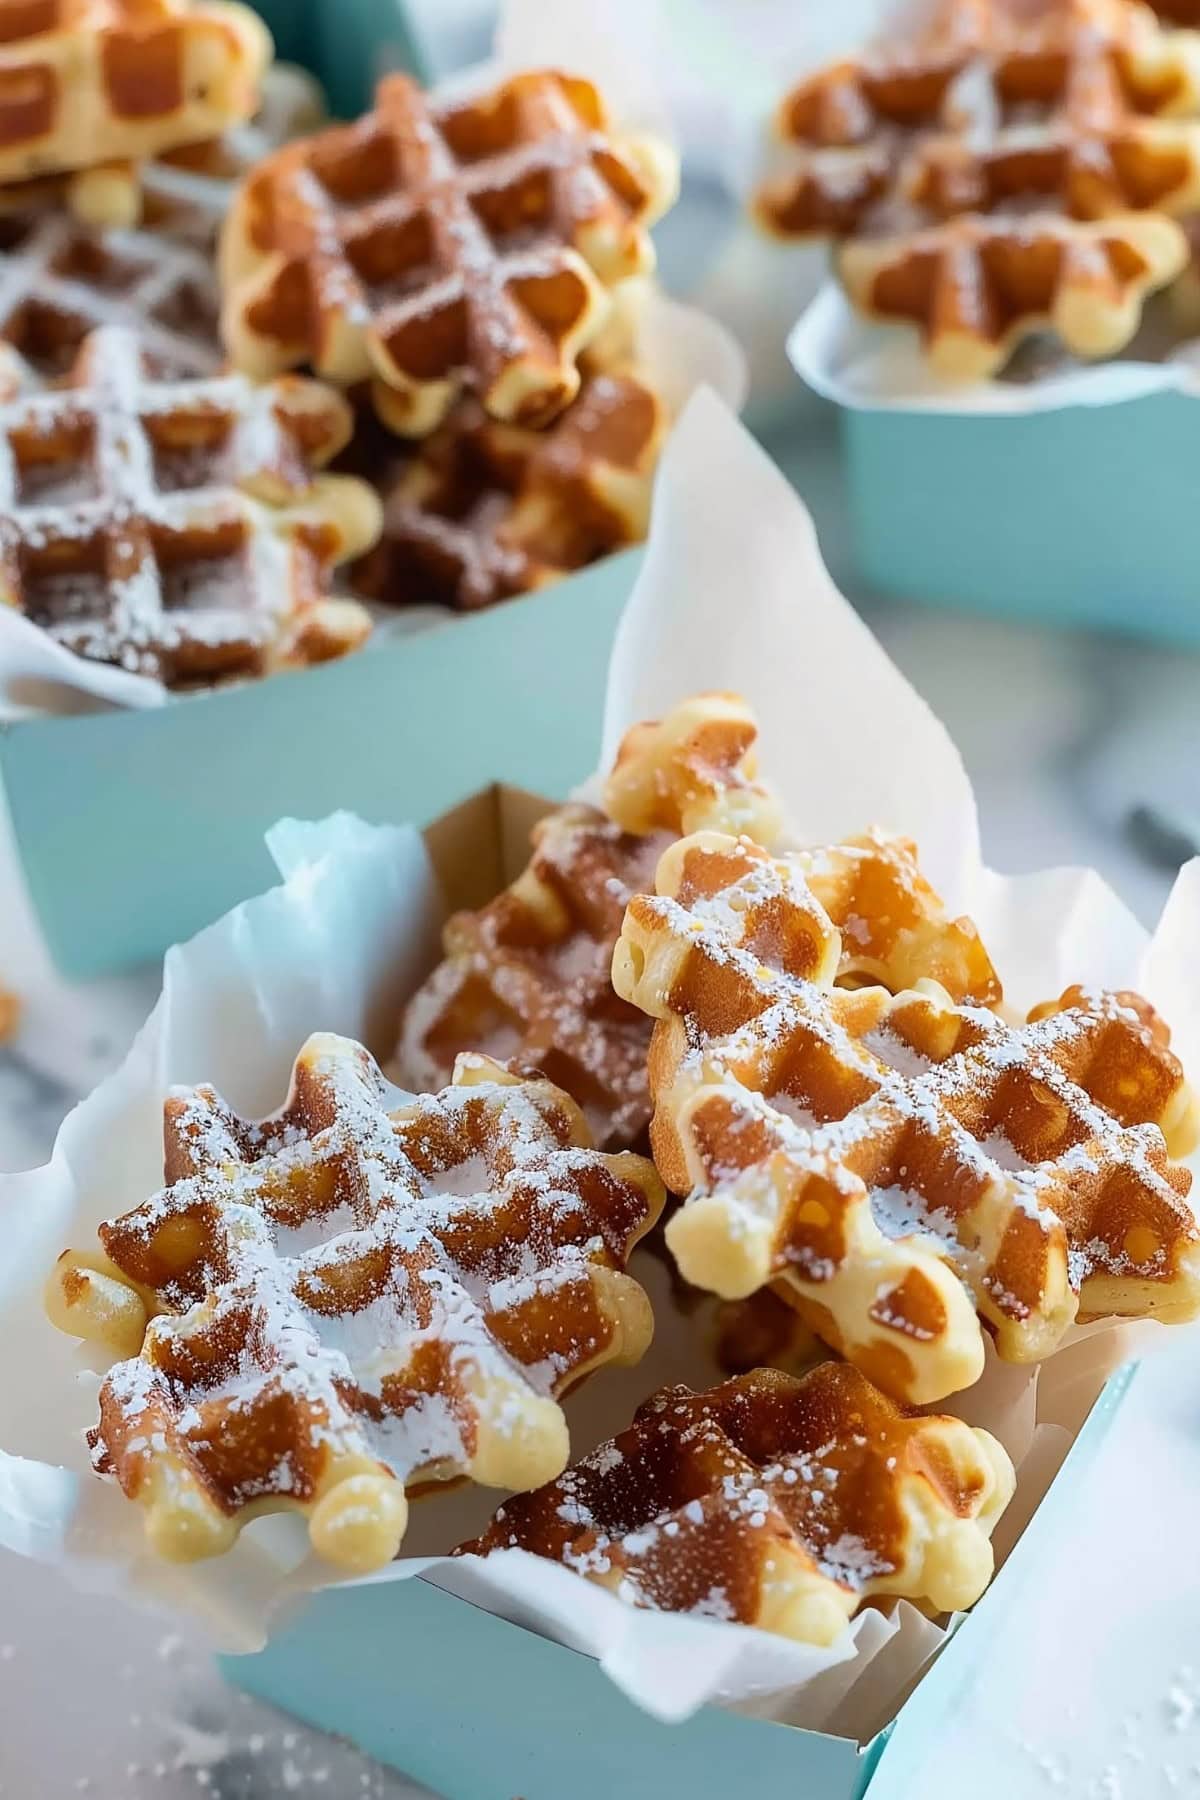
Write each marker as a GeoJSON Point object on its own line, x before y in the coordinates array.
{"type": "Point", "coordinates": [1072, 743]}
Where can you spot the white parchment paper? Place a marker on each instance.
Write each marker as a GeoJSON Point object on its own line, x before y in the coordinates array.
{"type": "Point", "coordinates": [733, 593]}
{"type": "Point", "coordinates": [857, 363]}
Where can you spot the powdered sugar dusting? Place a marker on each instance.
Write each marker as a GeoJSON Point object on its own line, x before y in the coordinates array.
{"type": "Point", "coordinates": [946, 1120]}
{"type": "Point", "coordinates": [367, 1260]}
{"type": "Point", "coordinates": [137, 539]}
{"type": "Point", "coordinates": [735, 1502]}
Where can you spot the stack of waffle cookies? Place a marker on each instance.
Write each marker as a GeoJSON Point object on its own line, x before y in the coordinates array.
{"type": "Point", "coordinates": [785, 1068]}
{"type": "Point", "coordinates": [1015, 171]}
{"type": "Point", "coordinates": [454, 286]}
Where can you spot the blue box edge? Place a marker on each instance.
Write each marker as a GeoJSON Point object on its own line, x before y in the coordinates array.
{"type": "Point", "coordinates": [270, 1672]}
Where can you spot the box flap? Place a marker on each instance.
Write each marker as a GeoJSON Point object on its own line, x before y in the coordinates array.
{"type": "Point", "coordinates": [518, 811]}
{"type": "Point", "coordinates": [481, 845]}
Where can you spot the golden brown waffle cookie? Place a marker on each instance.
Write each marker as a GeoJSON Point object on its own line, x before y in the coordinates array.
{"type": "Point", "coordinates": [529, 976]}
{"type": "Point", "coordinates": [774, 1502]}
{"type": "Point", "coordinates": [696, 768]}
{"type": "Point", "coordinates": [59, 282]}
{"type": "Point", "coordinates": [438, 246]}
{"type": "Point", "coordinates": [976, 287]}
{"type": "Point", "coordinates": [480, 510]}
{"type": "Point", "coordinates": [1087, 100]}
{"type": "Point", "coordinates": [366, 1292]}
{"type": "Point", "coordinates": [958, 172]}
{"type": "Point", "coordinates": [893, 925]}
{"type": "Point", "coordinates": [178, 528]}
{"type": "Point", "coordinates": [89, 82]}
{"type": "Point", "coordinates": [892, 1163]}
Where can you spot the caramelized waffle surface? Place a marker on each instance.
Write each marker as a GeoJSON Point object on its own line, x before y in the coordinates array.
{"type": "Point", "coordinates": [893, 1163]}
{"type": "Point", "coordinates": [178, 528]}
{"type": "Point", "coordinates": [60, 281]}
{"type": "Point", "coordinates": [977, 287]}
{"type": "Point", "coordinates": [774, 1502]}
{"type": "Point", "coordinates": [445, 246]}
{"type": "Point", "coordinates": [92, 82]}
{"type": "Point", "coordinates": [1087, 101]}
{"type": "Point", "coordinates": [529, 976]}
{"type": "Point", "coordinates": [696, 767]}
{"type": "Point", "coordinates": [366, 1292]}
{"type": "Point", "coordinates": [480, 511]}
{"type": "Point", "coordinates": [894, 928]}
{"type": "Point", "coordinates": [960, 174]}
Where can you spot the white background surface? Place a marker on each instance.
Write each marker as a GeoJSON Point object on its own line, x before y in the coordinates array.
{"type": "Point", "coordinates": [1091, 1693]}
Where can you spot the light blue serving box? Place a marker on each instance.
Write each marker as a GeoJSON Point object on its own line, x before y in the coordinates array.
{"type": "Point", "coordinates": [480, 1709]}
{"type": "Point", "coordinates": [1078, 516]}
{"type": "Point", "coordinates": [135, 829]}
{"type": "Point", "coordinates": [346, 42]}
{"type": "Point", "coordinates": [402, 731]}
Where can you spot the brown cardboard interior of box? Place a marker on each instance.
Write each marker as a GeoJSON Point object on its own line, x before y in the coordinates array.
{"type": "Point", "coordinates": [481, 845]}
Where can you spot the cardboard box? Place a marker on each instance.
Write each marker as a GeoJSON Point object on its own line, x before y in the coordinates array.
{"type": "Point", "coordinates": [1080, 516]}
{"type": "Point", "coordinates": [136, 829]}
{"type": "Point", "coordinates": [482, 1709]}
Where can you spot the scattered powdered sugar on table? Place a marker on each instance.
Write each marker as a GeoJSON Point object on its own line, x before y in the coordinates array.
{"type": "Point", "coordinates": [1183, 1701]}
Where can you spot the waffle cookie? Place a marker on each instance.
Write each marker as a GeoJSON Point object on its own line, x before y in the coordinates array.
{"type": "Point", "coordinates": [893, 1163]}
{"type": "Point", "coordinates": [445, 246]}
{"type": "Point", "coordinates": [1089, 100]}
{"type": "Point", "coordinates": [696, 768]}
{"type": "Point", "coordinates": [480, 510]}
{"type": "Point", "coordinates": [60, 281]}
{"type": "Point", "coordinates": [528, 977]}
{"type": "Point", "coordinates": [93, 82]}
{"type": "Point", "coordinates": [977, 287]}
{"type": "Point", "coordinates": [366, 1292]}
{"type": "Point", "coordinates": [894, 929]}
{"type": "Point", "coordinates": [178, 528]}
{"type": "Point", "coordinates": [774, 1502]}
{"type": "Point", "coordinates": [958, 174]}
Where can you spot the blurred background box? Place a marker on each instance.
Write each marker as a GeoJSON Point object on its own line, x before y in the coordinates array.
{"type": "Point", "coordinates": [137, 828]}
{"type": "Point", "coordinates": [1080, 516]}
{"type": "Point", "coordinates": [347, 43]}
